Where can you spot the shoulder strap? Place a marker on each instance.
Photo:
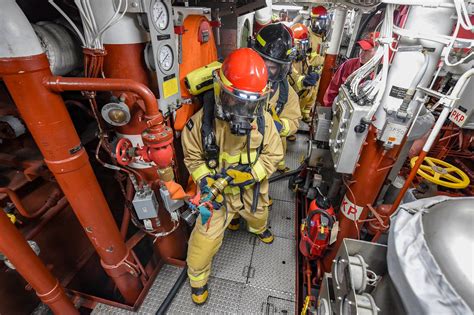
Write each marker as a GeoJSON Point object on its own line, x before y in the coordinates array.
{"type": "Point", "coordinates": [208, 136]}
{"type": "Point", "coordinates": [284, 89]}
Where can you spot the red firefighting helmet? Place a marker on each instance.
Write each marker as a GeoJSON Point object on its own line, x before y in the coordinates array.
{"type": "Point", "coordinates": [319, 11]}
{"type": "Point", "coordinates": [300, 31]}
{"type": "Point", "coordinates": [240, 88]}
{"type": "Point", "coordinates": [319, 20]}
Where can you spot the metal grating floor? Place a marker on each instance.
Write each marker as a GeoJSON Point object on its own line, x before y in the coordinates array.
{"type": "Point", "coordinates": [248, 277]}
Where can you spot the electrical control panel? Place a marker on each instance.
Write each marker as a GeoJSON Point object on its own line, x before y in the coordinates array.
{"type": "Point", "coordinates": [347, 132]}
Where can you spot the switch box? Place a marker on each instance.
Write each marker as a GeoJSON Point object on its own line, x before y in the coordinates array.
{"type": "Point", "coordinates": [145, 204]}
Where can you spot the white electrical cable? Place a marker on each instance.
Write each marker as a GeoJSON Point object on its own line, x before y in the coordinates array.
{"type": "Point", "coordinates": [76, 29]}
{"type": "Point", "coordinates": [93, 35]}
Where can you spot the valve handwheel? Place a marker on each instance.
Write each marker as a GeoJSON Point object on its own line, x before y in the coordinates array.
{"type": "Point", "coordinates": [441, 173]}
{"type": "Point", "coordinates": [122, 151]}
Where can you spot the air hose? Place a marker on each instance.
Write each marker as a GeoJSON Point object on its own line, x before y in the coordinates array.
{"type": "Point", "coordinates": [174, 290]}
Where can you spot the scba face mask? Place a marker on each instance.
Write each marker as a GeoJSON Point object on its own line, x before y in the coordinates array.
{"type": "Point", "coordinates": [239, 108]}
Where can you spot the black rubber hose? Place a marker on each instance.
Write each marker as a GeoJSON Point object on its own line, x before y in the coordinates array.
{"type": "Point", "coordinates": [363, 27]}
{"type": "Point", "coordinates": [283, 176]}
{"type": "Point", "coordinates": [174, 290]}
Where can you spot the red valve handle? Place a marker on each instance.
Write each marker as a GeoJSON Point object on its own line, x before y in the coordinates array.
{"type": "Point", "coordinates": [122, 151]}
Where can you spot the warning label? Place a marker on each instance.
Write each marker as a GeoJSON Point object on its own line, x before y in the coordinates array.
{"type": "Point", "coordinates": [458, 117]}
{"type": "Point", "coordinates": [398, 92]}
{"type": "Point", "coordinates": [350, 210]}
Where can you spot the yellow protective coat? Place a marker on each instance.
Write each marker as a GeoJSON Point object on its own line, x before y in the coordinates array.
{"type": "Point", "coordinates": [204, 243]}
{"type": "Point", "coordinates": [307, 95]}
{"type": "Point", "coordinates": [290, 117]}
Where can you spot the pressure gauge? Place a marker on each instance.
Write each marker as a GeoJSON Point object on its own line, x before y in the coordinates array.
{"type": "Point", "coordinates": [165, 58]}
{"type": "Point", "coordinates": [160, 15]}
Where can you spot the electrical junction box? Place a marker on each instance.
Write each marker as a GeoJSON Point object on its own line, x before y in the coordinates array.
{"type": "Point", "coordinates": [170, 204]}
{"type": "Point", "coordinates": [145, 204]}
{"type": "Point", "coordinates": [344, 142]}
{"type": "Point", "coordinates": [393, 132]}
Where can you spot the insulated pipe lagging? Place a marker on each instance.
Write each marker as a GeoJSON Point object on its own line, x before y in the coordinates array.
{"type": "Point", "coordinates": [415, 82]}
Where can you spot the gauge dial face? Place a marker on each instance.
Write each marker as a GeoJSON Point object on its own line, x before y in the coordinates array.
{"type": "Point", "coordinates": [165, 58]}
{"type": "Point", "coordinates": [160, 15]}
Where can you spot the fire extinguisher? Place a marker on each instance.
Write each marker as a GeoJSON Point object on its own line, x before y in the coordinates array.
{"type": "Point", "coordinates": [316, 228]}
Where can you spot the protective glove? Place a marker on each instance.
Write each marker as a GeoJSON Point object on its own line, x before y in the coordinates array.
{"type": "Point", "coordinates": [276, 119]}
{"type": "Point", "coordinates": [311, 79]}
{"type": "Point", "coordinates": [240, 178]}
{"type": "Point", "coordinates": [205, 187]}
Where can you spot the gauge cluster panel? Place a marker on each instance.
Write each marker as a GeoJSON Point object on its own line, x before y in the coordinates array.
{"type": "Point", "coordinates": [163, 52]}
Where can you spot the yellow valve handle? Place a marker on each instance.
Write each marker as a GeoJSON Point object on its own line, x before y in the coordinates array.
{"type": "Point", "coordinates": [441, 173]}
{"type": "Point", "coordinates": [304, 310]}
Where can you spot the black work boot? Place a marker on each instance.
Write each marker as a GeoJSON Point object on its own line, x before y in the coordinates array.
{"type": "Point", "coordinates": [266, 236]}
{"type": "Point", "coordinates": [199, 295]}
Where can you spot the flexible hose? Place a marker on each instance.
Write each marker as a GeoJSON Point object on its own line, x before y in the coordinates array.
{"type": "Point", "coordinates": [169, 298]}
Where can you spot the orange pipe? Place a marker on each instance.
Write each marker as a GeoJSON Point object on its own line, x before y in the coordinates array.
{"type": "Point", "coordinates": [20, 254]}
{"type": "Point", "coordinates": [367, 181]}
{"type": "Point", "coordinates": [329, 68]}
{"type": "Point", "coordinates": [402, 192]}
{"type": "Point", "coordinates": [51, 126]}
{"type": "Point", "coordinates": [62, 84]}
{"type": "Point", "coordinates": [21, 209]}
{"type": "Point", "coordinates": [134, 69]}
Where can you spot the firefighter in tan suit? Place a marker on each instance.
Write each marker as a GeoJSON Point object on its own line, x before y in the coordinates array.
{"type": "Point", "coordinates": [275, 44]}
{"type": "Point", "coordinates": [231, 135]}
{"type": "Point", "coordinates": [306, 69]}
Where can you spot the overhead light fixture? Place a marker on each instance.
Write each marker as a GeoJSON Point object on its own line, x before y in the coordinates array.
{"type": "Point", "coordinates": [288, 7]}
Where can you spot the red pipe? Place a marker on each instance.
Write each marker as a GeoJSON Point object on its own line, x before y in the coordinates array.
{"type": "Point", "coordinates": [173, 245]}
{"type": "Point", "coordinates": [52, 200]}
{"type": "Point", "coordinates": [62, 84]}
{"type": "Point", "coordinates": [326, 76]}
{"type": "Point", "coordinates": [51, 126]}
{"type": "Point", "coordinates": [367, 181]}
{"type": "Point", "coordinates": [20, 254]}
{"type": "Point", "coordinates": [46, 218]}
{"type": "Point", "coordinates": [402, 192]}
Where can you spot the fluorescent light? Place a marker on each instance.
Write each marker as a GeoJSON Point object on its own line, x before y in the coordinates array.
{"type": "Point", "coordinates": [279, 7]}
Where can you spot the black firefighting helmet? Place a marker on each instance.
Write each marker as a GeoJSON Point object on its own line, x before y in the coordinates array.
{"type": "Point", "coordinates": [274, 43]}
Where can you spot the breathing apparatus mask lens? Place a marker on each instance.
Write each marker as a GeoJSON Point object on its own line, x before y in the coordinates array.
{"type": "Point", "coordinates": [302, 48]}
{"type": "Point", "coordinates": [277, 71]}
{"type": "Point", "coordinates": [320, 24]}
{"type": "Point", "coordinates": [239, 108]}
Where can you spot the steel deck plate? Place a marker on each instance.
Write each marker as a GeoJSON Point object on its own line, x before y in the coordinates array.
{"type": "Point", "coordinates": [162, 285]}
{"type": "Point", "coordinates": [257, 300]}
{"type": "Point", "coordinates": [233, 256]}
{"type": "Point", "coordinates": [224, 298]}
{"type": "Point", "coordinates": [274, 265]}
{"type": "Point", "coordinates": [282, 219]}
